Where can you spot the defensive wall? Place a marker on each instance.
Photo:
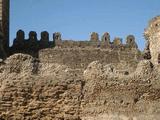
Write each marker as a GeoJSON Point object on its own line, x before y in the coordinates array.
{"type": "Point", "coordinates": [33, 43]}
{"type": "Point", "coordinates": [78, 54]}
{"type": "Point", "coordinates": [80, 58]}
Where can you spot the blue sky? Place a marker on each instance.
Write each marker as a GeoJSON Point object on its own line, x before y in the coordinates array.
{"type": "Point", "coordinates": [76, 19]}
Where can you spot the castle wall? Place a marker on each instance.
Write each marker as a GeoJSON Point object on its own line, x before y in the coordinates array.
{"type": "Point", "coordinates": [32, 44]}
{"type": "Point", "coordinates": [80, 58]}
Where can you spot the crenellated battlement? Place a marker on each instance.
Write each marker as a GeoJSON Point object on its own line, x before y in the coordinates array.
{"type": "Point", "coordinates": [104, 43]}
{"type": "Point", "coordinates": [32, 44]}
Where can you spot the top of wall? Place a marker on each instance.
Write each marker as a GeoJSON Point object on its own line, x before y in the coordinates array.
{"type": "Point", "coordinates": [31, 44]}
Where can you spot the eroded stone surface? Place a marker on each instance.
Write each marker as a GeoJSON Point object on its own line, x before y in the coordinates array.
{"type": "Point", "coordinates": [59, 92]}
{"type": "Point", "coordinates": [152, 35]}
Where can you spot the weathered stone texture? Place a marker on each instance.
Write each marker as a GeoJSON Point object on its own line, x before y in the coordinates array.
{"type": "Point", "coordinates": [58, 92]}
{"type": "Point", "coordinates": [80, 58]}
{"type": "Point", "coordinates": [117, 41]}
{"type": "Point", "coordinates": [130, 41]}
{"type": "Point", "coordinates": [32, 45]}
{"type": "Point", "coordinates": [111, 95]}
{"type": "Point", "coordinates": [57, 39]}
{"type": "Point", "coordinates": [25, 96]}
{"type": "Point", "coordinates": [94, 37]}
{"type": "Point", "coordinates": [105, 40]}
{"type": "Point", "coordinates": [152, 34]}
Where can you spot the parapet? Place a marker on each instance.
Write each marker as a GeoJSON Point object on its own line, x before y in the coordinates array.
{"type": "Point", "coordinates": [106, 37]}
{"type": "Point", "coordinates": [117, 41]}
{"type": "Point", "coordinates": [20, 35]}
{"type": "Point", "coordinates": [57, 38]}
{"type": "Point", "coordinates": [32, 36]}
{"type": "Point", "coordinates": [130, 41]}
{"type": "Point", "coordinates": [32, 44]}
{"type": "Point", "coordinates": [44, 41]}
{"type": "Point", "coordinates": [94, 37]}
{"type": "Point", "coordinates": [44, 36]}
{"type": "Point", "coordinates": [18, 42]}
{"type": "Point", "coordinates": [105, 40]}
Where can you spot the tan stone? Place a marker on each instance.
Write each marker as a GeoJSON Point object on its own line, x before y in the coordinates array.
{"type": "Point", "coordinates": [117, 41]}
{"type": "Point", "coordinates": [152, 34]}
{"type": "Point", "coordinates": [94, 37]}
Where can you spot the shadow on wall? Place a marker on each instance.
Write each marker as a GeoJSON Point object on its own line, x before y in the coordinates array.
{"type": "Point", "coordinates": [31, 45]}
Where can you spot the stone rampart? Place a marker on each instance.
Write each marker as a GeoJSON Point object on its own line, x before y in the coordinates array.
{"type": "Point", "coordinates": [79, 58]}
{"type": "Point", "coordinates": [32, 45]}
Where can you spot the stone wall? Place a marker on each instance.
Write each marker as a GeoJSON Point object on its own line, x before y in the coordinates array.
{"type": "Point", "coordinates": [58, 92]}
{"type": "Point", "coordinates": [152, 35]}
{"type": "Point", "coordinates": [94, 41]}
{"type": "Point", "coordinates": [32, 45]}
{"type": "Point", "coordinates": [79, 58]}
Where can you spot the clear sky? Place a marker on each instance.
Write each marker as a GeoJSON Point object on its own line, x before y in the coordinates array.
{"type": "Point", "coordinates": [76, 19]}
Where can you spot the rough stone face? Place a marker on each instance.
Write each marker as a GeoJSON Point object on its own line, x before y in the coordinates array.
{"type": "Point", "coordinates": [117, 41]}
{"type": "Point", "coordinates": [108, 95]}
{"type": "Point", "coordinates": [105, 40]}
{"type": "Point", "coordinates": [97, 70]}
{"type": "Point", "coordinates": [93, 70]}
{"type": "Point", "coordinates": [19, 63]}
{"type": "Point", "coordinates": [26, 95]}
{"type": "Point", "coordinates": [144, 67]}
{"type": "Point", "coordinates": [130, 41]}
{"type": "Point", "coordinates": [152, 34]}
{"type": "Point", "coordinates": [94, 37]}
{"type": "Point", "coordinates": [146, 52]}
{"type": "Point", "coordinates": [35, 89]}
{"type": "Point", "coordinates": [106, 37]}
{"type": "Point", "coordinates": [80, 58]}
{"type": "Point", "coordinates": [57, 38]}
